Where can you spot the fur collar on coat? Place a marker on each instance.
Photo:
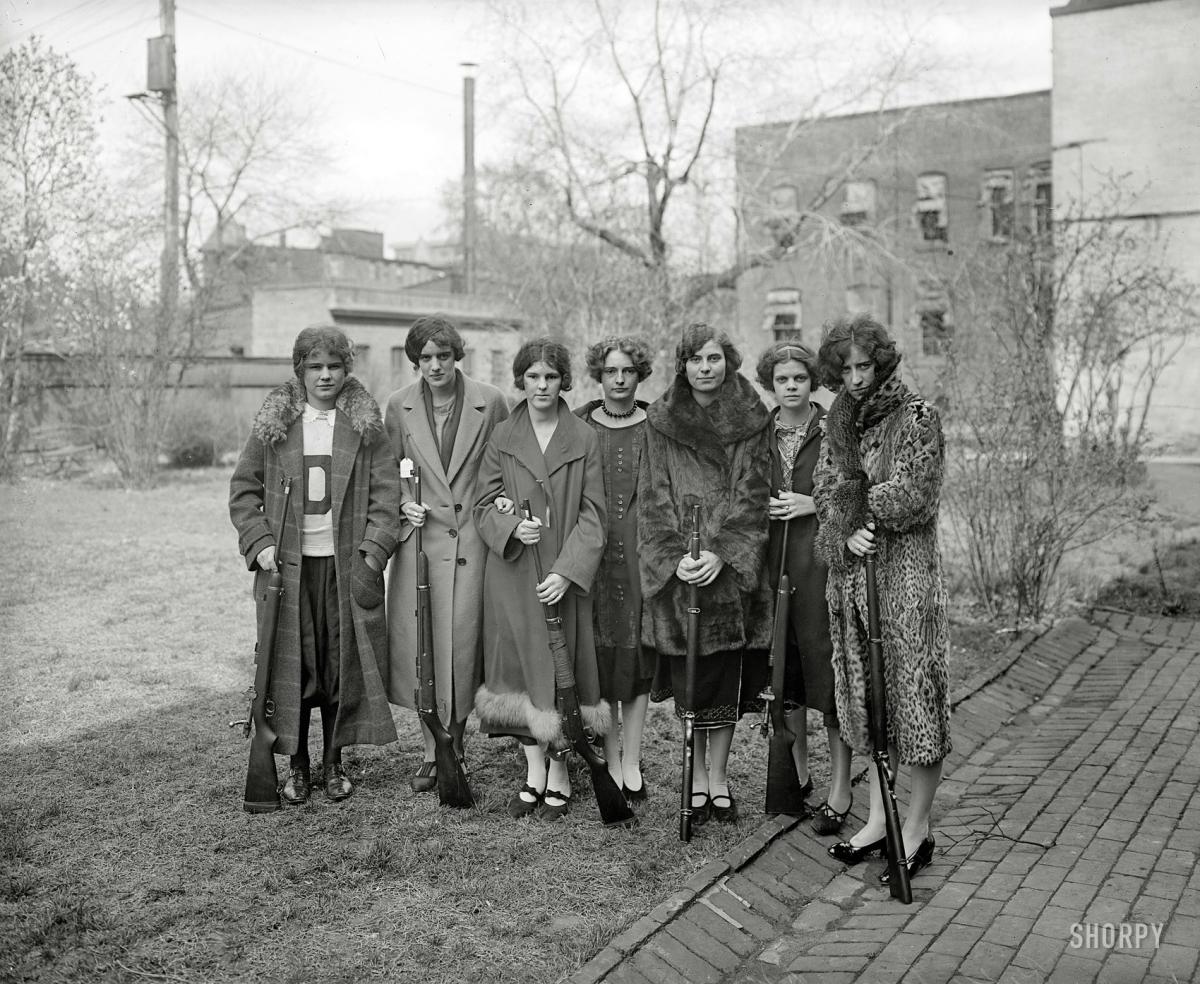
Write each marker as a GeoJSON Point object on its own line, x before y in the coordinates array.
{"type": "Point", "coordinates": [284, 405]}
{"type": "Point", "coordinates": [845, 425]}
{"type": "Point", "coordinates": [735, 415]}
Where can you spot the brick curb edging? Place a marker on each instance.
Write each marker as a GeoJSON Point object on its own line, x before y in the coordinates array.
{"type": "Point", "coordinates": [638, 933]}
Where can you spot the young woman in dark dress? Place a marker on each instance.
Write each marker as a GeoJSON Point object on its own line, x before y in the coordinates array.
{"type": "Point", "coordinates": [619, 364]}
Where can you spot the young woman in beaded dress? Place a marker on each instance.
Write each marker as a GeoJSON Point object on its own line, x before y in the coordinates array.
{"type": "Point", "coordinates": [619, 364]}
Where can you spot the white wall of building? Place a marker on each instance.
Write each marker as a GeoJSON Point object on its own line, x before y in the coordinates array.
{"type": "Point", "coordinates": [1126, 106]}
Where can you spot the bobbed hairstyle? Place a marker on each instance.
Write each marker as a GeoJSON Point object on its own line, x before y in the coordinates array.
{"type": "Point", "coordinates": [637, 350]}
{"type": "Point", "coordinates": [328, 337]}
{"type": "Point", "coordinates": [698, 334]}
{"type": "Point", "coordinates": [784, 351]}
{"type": "Point", "coordinates": [865, 332]}
{"type": "Point", "coordinates": [546, 350]}
{"type": "Point", "coordinates": [432, 328]}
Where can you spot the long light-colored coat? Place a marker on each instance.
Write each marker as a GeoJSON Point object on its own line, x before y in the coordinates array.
{"type": "Point", "coordinates": [565, 485]}
{"type": "Point", "coordinates": [884, 460]}
{"type": "Point", "coordinates": [451, 543]}
{"type": "Point", "coordinates": [365, 489]}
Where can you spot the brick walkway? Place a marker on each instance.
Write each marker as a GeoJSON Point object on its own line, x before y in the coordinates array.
{"type": "Point", "coordinates": [1068, 828]}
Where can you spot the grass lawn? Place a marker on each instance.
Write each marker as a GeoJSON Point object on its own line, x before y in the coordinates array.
{"type": "Point", "coordinates": [124, 852]}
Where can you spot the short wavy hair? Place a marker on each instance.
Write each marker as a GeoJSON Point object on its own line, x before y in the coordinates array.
{"type": "Point", "coordinates": [328, 337]}
{"type": "Point", "coordinates": [865, 332]}
{"type": "Point", "coordinates": [546, 350]}
{"type": "Point", "coordinates": [787, 350]}
{"type": "Point", "coordinates": [432, 328]}
{"type": "Point", "coordinates": [634, 347]}
{"type": "Point", "coordinates": [698, 334]}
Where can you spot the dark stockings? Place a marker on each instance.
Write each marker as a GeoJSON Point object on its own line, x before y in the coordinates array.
{"type": "Point", "coordinates": [330, 755]}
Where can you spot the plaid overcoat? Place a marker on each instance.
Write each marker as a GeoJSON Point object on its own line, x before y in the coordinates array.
{"type": "Point", "coordinates": [365, 490]}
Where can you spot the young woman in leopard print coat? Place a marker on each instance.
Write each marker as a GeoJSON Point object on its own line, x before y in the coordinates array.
{"type": "Point", "coordinates": [877, 486]}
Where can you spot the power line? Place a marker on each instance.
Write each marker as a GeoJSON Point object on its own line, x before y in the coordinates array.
{"type": "Point", "coordinates": [141, 19]}
{"type": "Point", "coordinates": [49, 20]}
{"type": "Point", "coordinates": [319, 57]}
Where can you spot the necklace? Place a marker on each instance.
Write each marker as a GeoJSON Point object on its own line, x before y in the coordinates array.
{"type": "Point", "coordinates": [618, 416]}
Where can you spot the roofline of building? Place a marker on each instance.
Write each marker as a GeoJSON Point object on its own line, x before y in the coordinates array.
{"type": "Point", "coordinates": [1087, 6]}
{"type": "Point", "coordinates": [900, 109]}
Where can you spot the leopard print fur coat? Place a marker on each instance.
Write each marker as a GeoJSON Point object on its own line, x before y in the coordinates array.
{"type": "Point", "coordinates": [883, 458]}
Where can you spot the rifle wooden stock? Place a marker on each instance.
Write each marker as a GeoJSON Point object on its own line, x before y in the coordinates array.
{"type": "Point", "coordinates": [262, 780]}
{"type": "Point", "coordinates": [689, 689]}
{"type": "Point", "coordinates": [453, 789]}
{"type": "Point", "coordinates": [614, 810]}
{"type": "Point", "coordinates": [898, 881]}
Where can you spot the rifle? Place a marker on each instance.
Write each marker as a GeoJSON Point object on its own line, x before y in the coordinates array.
{"type": "Point", "coordinates": [262, 781]}
{"type": "Point", "coordinates": [689, 688]}
{"type": "Point", "coordinates": [614, 811]}
{"type": "Point", "coordinates": [898, 881]}
{"type": "Point", "coordinates": [784, 792]}
{"type": "Point", "coordinates": [453, 789]}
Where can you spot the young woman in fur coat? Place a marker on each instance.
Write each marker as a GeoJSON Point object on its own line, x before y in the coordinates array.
{"type": "Point", "coordinates": [324, 431]}
{"type": "Point", "coordinates": [545, 454]}
{"type": "Point", "coordinates": [878, 483]}
{"type": "Point", "coordinates": [706, 444]}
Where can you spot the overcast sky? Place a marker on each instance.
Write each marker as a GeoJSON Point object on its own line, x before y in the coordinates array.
{"type": "Point", "coordinates": [387, 72]}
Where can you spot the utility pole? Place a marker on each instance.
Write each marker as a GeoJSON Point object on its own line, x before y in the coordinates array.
{"type": "Point", "coordinates": [468, 231]}
{"type": "Point", "coordinates": [162, 80]}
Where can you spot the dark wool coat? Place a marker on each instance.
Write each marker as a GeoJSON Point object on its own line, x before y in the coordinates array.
{"type": "Point", "coordinates": [715, 456]}
{"type": "Point", "coordinates": [884, 458]}
{"type": "Point", "coordinates": [565, 485]}
{"type": "Point", "coordinates": [807, 610]}
{"type": "Point", "coordinates": [451, 543]}
{"type": "Point", "coordinates": [365, 490]}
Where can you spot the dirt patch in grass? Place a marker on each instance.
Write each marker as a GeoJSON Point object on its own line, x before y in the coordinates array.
{"type": "Point", "coordinates": [125, 856]}
{"type": "Point", "coordinates": [1168, 584]}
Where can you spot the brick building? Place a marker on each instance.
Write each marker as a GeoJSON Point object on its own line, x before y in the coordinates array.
{"type": "Point", "coordinates": [917, 186]}
{"type": "Point", "coordinates": [270, 292]}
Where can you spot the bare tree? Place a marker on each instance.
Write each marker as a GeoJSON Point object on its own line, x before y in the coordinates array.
{"type": "Point", "coordinates": [629, 110]}
{"type": "Point", "coordinates": [47, 179]}
{"type": "Point", "coordinates": [1048, 399]}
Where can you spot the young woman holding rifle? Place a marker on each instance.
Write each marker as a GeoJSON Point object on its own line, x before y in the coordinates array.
{"type": "Point", "coordinates": [439, 424]}
{"type": "Point", "coordinates": [788, 369]}
{"type": "Point", "coordinates": [706, 444]}
{"type": "Point", "coordinates": [877, 488]}
{"type": "Point", "coordinates": [547, 455]}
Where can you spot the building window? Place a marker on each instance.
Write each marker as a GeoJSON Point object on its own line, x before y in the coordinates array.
{"type": "Point", "coordinates": [783, 215]}
{"type": "Point", "coordinates": [1040, 198]}
{"type": "Point", "coordinates": [362, 359]}
{"type": "Point", "coordinates": [862, 299]}
{"type": "Point", "coordinates": [500, 367]}
{"type": "Point", "coordinates": [468, 361]}
{"type": "Point", "coordinates": [782, 314]}
{"type": "Point", "coordinates": [997, 202]}
{"type": "Point", "coordinates": [933, 305]}
{"type": "Point", "coordinates": [858, 205]}
{"type": "Point", "coordinates": [932, 217]}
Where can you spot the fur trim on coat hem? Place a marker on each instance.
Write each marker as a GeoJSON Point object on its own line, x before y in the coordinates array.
{"type": "Point", "coordinates": [517, 711]}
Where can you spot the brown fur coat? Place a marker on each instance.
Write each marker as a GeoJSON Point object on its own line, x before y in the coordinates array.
{"type": "Point", "coordinates": [883, 458]}
{"type": "Point", "coordinates": [716, 457]}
